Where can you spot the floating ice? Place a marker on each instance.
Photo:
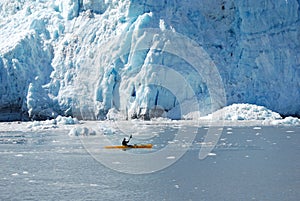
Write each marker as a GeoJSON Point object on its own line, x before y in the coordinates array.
{"type": "Point", "coordinates": [81, 131]}
{"type": "Point", "coordinates": [286, 121]}
{"type": "Point", "coordinates": [53, 123]}
{"type": "Point", "coordinates": [66, 120]}
{"type": "Point", "coordinates": [171, 157]}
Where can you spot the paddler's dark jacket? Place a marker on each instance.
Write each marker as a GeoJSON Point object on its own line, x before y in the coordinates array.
{"type": "Point", "coordinates": [125, 142]}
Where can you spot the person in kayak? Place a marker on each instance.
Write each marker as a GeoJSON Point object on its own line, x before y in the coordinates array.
{"type": "Point", "coordinates": [125, 142]}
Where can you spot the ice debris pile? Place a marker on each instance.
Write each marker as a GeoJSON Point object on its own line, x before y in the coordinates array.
{"type": "Point", "coordinates": [76, 129]}
{"type": "Point", "coordinates": [245, 112]}
{"type": "Point", "coordinates": [250, 112]}
{"type": "Point", "coordinates": [53, 123]}
{"type": "Point", "coordinates": [285, 121]}
{"type": "Point", "coordinates": [84, 58]}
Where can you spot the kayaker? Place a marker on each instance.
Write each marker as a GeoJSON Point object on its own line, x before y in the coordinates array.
{"type": "Point", "coordinates": [125, 142]}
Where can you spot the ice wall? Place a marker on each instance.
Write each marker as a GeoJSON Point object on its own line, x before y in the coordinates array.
{"type": "Point", "coordinates": [147, 58]}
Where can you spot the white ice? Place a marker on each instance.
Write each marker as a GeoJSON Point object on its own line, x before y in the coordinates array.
{"type": "Point", "coordinates": [90, 59]}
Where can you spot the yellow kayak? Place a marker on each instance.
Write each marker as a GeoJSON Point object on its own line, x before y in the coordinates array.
{"type": "Point", "coordinates": [135, 146]}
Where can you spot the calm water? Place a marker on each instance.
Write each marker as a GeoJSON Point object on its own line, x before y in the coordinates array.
{"type": "Point", "coordinates": [248, 163]}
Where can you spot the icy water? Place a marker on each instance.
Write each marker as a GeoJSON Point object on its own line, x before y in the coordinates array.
{"type": "Point", "coordinates": [248, 163]}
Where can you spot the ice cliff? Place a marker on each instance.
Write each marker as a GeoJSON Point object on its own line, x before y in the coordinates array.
{"type": "Point", "coordinates": [147, 58]}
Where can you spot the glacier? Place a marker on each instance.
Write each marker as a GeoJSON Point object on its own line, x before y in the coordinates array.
{"type": "Point", "coordinates": [147, 58]}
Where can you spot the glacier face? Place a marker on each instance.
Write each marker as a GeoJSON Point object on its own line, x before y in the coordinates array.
{"type": "Point", "coordinates": [147, 58]}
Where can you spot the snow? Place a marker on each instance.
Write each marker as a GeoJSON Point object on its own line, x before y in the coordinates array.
{"type": "Point", "coordinates": [128, 59]}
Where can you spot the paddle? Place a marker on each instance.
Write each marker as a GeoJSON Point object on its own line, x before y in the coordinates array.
{"type": "Point", "coordinates": [130, 137]}
{"type": "Point", "coordinates": [128, 141]}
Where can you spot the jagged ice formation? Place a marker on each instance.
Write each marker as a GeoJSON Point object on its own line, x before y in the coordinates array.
{"type": "Point", "coordinates": [147, 58]}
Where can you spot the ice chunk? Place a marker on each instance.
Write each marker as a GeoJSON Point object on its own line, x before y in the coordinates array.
{"type": "Point", "coordinates": [245, 112]}
{"type": "Point", "coordinates": [53, 123]}
{"type": "Point", "coordinates": [286, 121]}
{"type": "Point", "coordinates": [66, 120]}
{"type": "Point", "coordinates": [81, 131]}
